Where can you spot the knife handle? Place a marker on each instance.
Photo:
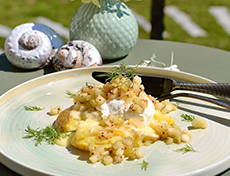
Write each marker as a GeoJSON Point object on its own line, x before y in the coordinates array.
{"type": "Point", "coordinates": [219, 89]}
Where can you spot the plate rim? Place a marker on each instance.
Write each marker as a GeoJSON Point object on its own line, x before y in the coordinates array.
{"type": "Point", "coordinates": [105, 67]}
{"type": "Point", "coordinates": [216, 166]}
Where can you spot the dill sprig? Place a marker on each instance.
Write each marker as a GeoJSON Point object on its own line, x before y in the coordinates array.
{"type": "Point", "coordinates": [188, 117]}
{"type": "Point", "coordinates": [71, 95]}
{"type": "Point", "coordinates": [144, 165]}
{"type": "Point", "coordinates": [186, 149]}
{"type": "Point", "coordinates": [48, 134]}
{"type": "Point", "coordinates": [33, 108]}
{"type": "Point", "coordinates": [122, 71]}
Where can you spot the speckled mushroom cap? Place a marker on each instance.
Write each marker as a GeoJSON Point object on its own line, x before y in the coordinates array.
{"type": "Point", "coordinates": [76, 54]}
{"type": "Point", "coordinates": [32, 45]}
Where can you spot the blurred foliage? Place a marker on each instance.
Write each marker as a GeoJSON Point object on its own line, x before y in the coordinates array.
{"type": "Point", "coordinates": [15, 12]}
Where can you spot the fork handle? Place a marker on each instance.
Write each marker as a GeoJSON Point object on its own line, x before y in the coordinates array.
{"type": "Point", "coordinates": [219, 89]}
{"type": "Point", "coordinates": [219, 102]}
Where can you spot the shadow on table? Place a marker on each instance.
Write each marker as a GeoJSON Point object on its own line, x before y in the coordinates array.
{"type": "Point", "coordinates": [81, 155]}
{"type": "Point", "coordinates": [8, 67]}
{"type": "Point", "coordinates": [4, 171]}
{"type": "Point", "coordinates": [114, 60]}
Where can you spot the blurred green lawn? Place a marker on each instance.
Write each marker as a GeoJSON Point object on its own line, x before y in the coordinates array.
{"type": "Point", "coordinates": [15, 12]}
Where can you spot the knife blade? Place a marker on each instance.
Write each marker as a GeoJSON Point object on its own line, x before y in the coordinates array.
{"type": "Point", "coordinates": [160, 86]}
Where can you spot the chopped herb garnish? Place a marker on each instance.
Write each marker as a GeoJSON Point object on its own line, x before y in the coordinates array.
{"type": "Point", "coordinates": [144, 165]}
{"type": "Point", "coordinates": [71, 95]}
{"type": "Point", "coordinates": [48, 134]}
{"type": "Point", "coordinates": [33, 108]}
{"type": "Point", "coordinates": [122, 71]}
{"type": "Point", "coordinates": [187, 148]}
{"type": "Point", "coordinates": [188, 117]}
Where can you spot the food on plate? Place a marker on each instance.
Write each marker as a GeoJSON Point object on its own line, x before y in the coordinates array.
{"type": "Point", "coordinates": [48, 134]}
{"type": "Point", "coordinates": [55, 110]}
{"type": "Point", "coordinates": [199, 123]}
{"type": "Point", "coordinates": [33, 108]}
{"type": "Point", "coordinates": [187, 117]}
{"type": "Point", "coordinates": [187, 148]}
{"type": "Point", "coordinates": [113, 121]}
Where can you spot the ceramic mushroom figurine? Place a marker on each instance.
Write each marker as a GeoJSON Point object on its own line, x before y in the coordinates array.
{"type": "Point", "coordinates": [32, 45]}
{"type": "Point", "coordinates": [76, 54]}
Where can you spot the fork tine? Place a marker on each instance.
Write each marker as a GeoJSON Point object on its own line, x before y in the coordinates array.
{"type": "Point", "coordinates": [219, 102]}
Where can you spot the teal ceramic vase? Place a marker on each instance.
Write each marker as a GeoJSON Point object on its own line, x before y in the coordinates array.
{"type": "Point", "coordinates": [111, 28]}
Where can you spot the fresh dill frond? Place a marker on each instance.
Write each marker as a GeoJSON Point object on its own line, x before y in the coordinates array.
{"type": "Point", "coordinates": [144, 165]}
{"type": "Point", "coordinates": [33, 108]}
{"type": "Point", "coordinates": [122, 71]}
{"type": "Point", "coordinates": [48, 134]}
{"type": "Point", "coordinates": [188, 117]}
{"type": "Point", "coordinates": [70, 94]}
{"type": "Point", "coordinates": [186, 149]}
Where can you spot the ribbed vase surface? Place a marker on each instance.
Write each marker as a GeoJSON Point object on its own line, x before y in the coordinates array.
{"type": "Point", "coordinates": [111, 28]}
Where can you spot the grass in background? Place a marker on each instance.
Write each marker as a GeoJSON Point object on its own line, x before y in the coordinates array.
{"type": "Point", "coordinates": [198, 10]}
{"type": "Point", "coordinates": [15, 12]}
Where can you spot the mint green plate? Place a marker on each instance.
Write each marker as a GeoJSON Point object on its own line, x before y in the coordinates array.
{"type": "Point", "coordinates": [21, 155]}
